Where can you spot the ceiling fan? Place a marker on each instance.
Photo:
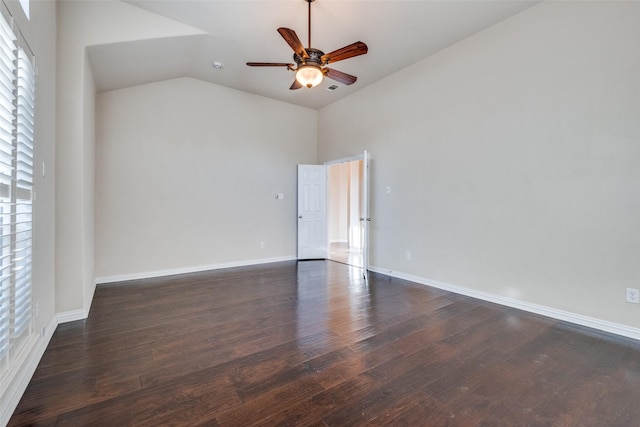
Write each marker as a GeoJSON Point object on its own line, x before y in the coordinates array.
{"type": "Point", "coordinates": [311, 64]}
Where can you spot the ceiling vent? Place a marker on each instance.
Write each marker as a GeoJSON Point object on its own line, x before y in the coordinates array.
{"type": "Point", "coordinates": [332, 88]}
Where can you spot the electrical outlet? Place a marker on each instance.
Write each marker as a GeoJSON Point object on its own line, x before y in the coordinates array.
{"type": "Point", "coordinates": [407, 256]}
{"type": "Point", "coordinates": [262, 245]}
{"type": "Point", "coordinates": [633, 295]}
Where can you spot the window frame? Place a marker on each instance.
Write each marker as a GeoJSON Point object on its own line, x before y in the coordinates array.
{"type": "Point", "coordinates": [17, 128]}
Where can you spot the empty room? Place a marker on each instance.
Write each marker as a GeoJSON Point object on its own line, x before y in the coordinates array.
{"type": "Point", "coordinates": [319, 212]}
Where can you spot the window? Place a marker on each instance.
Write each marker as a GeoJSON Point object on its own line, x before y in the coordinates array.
{"type": "Point", "coordinates": [25, 7]}
{"type": "Point", "coordinates": [17, 109]}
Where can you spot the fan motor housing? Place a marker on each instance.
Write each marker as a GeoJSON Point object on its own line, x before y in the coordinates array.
{"type": "Point", "coordinates": [315, 57]}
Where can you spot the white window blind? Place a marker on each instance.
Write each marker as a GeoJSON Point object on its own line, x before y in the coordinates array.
{"type": "Point", "coordinates": [17, 112]}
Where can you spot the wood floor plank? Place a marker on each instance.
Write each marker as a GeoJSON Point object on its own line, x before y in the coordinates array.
{"type": "Point", "coordinates": [313, 344]}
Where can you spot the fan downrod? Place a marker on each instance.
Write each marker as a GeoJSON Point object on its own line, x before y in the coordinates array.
{"type": "Point", "coordinates": [309, 21]}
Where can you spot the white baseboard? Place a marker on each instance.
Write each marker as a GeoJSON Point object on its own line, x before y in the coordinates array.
{"type": "Point", "coordinates": [51, 329]}
{"type": "Point", "coordinates": [89, 299]}
{"type": "Point", "coordinates": [72, 315]}
{"type": "Point", "coordinates": [196, 269]}
{"type": "Point", "coordinates": [578, 319]}
{"type": "Point", "coordinates": [79, 314]}
{"type": "Point", "coordinates": [19, 377]}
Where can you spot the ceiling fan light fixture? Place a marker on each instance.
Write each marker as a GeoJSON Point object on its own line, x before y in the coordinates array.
{"type": "Point", "coordinates": [311, 63]}
{"type": "Point", "coordinates": [309, 75]}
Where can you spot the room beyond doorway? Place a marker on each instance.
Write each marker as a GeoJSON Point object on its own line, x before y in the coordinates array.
{"type": "Point", "coordinates": [345, 210]}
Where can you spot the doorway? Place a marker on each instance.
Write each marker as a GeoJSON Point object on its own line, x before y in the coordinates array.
{"type": "Point", "coordinates": [345, 202]}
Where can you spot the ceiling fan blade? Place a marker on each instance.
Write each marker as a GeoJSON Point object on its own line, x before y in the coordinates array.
{"type": "Point", "coordinates": [354, 49]}
{"type": "Point", "coordinates": [270, 64]}
{"type": "Point", "coordinates": [295, 85]}
{"type": "Point", "coordinates": [292, 39]}
{"type": "Point", "coordinates": [339, 76]}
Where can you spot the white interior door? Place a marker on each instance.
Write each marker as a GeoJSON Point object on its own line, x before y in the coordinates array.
{"type": "Point", "coordinates": [312, 212]}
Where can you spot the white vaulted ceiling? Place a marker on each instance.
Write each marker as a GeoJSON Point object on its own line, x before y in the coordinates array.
{"type": "Point", "coordinates": [397, 32]}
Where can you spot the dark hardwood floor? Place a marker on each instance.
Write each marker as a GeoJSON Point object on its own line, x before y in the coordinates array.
{"type": "Point", "coordinates": [310, 344]}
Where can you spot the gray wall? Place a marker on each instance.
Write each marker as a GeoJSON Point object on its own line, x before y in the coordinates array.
{"type": "Point", "coordinates": [82, 24]}
{"type": "Point", "coordinates": [187, 176]}
{"type": "Point", "coordinates": [40, 33]}
{"type": "Point", "coordinates": [513, 160]}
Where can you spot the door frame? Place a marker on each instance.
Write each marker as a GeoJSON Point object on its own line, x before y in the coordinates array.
{"type": "Point", "coordinates": [365, 201]}
{"type": "Point", "coordinates": [365, 157]}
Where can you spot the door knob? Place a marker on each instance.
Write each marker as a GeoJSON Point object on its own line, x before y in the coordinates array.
{"type": "Point", "coordinates": [300, 216]}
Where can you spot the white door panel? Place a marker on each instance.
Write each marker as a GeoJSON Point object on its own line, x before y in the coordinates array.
{"type": "Point", "coordinates": [312, 212]}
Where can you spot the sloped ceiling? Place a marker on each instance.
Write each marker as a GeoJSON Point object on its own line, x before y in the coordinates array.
{"type": "Point", "coordinates": [397, 32]}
